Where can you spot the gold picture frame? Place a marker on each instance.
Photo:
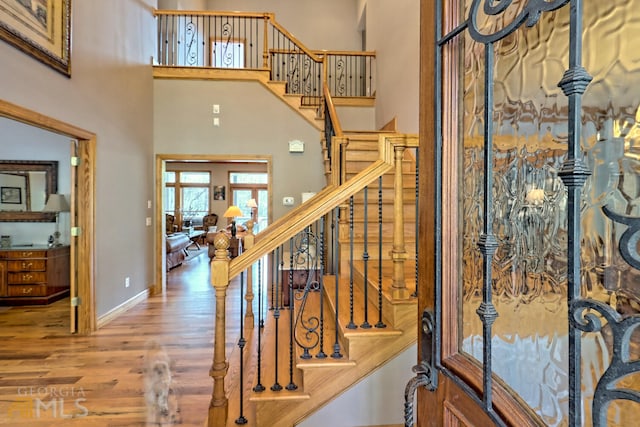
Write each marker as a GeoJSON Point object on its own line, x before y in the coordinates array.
{"type": "Point", "coordinates": [39, 28]}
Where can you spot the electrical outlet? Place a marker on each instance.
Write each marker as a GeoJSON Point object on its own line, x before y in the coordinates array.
{"type": "Point", "coordinates": [127, 282]}
{"type": "Point", "coordinates": [148, 221]}
{"type": "Point", "coordinates": [216, 121]}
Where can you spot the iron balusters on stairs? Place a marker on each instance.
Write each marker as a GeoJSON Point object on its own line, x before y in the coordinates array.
{"type": "Point", "coordinates": [241, 343]}
{"type": "Point", "coordinates": [336, 343]}
{"type": "Point", "coordinates": [256, 41]}
{"type": "Point", "coordinates": [380, 323]}
{"type": "Point", "coordinates": [365, 256]}
{"type": "Point", "coordinates": [351, 324]}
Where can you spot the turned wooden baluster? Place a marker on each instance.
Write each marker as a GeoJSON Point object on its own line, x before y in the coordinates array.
{"type": "Point", "coordinates": [247, 244]}
{"type": "Point", "coordinates": [265, 43]}
{"type": "Point", "coordinates": [218, 407]}
{"type": "Point", "coordinates": [398, 253]}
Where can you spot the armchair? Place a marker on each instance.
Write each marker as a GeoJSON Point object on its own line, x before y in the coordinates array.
{"type": "Point", "coordinates": [171, 226]}
{"type": "Point", "coordinates": [209, 221]}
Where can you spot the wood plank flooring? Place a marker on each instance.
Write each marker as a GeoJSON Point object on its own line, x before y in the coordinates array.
{"type": "Point", "coordinates": [97, 380]}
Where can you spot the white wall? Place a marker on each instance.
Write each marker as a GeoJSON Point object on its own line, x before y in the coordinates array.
{"type": "Point", "coordinates": [109, 93]}
{"type": "Point", "coordinates": [357, 118]}
{"type": "Point", "coordinates": [253, 121]}
{"type": "Point", "coordinates": [393, 31]}
{"type": "Point", "coordinates": [327, 24]}
{"type": "Point", "coordinates": [376, 400]}
{"type": "Point", "coordinates": [30, 143]}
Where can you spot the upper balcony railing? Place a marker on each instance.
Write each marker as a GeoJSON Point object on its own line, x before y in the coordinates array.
{"type": "Point", "coordinates": [255, 41]}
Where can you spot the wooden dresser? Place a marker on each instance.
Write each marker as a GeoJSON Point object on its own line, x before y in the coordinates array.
{"type": "Point", "coordinates": [33, 275]}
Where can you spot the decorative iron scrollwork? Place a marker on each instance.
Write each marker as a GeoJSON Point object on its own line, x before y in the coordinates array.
{"type": "Point", "coordinates": [622, 328]}
{"type": "Point", "coordinates": [529, 14]}
{"type": "Point", "coordinates": [191, 41]}
{"type": "Point", "coordinates": [304, 257]}
{"type": "Point", "coordinates": [629, 239]}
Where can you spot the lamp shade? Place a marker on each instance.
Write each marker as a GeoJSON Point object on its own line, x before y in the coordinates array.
{"type": "Point", "coordinates": [56, 203]}
{"type": "Point", "coordinates": [232, 211]}
{"type": "Point", "coordinates": [252, 203]}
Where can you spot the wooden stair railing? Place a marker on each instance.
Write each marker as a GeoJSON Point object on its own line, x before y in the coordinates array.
{"type": "Point", "coordinates": [223, 269]}
{"type": "Point", "coordinates": [253, 42]}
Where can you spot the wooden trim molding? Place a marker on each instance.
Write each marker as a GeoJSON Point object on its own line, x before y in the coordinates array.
{"type": "Point", "coordinates": [122, 308]}
{"type": "Point", "coordinates": [82, 247]}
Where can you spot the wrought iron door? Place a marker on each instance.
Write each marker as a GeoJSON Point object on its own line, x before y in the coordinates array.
{"type": "Point", "coordinates": [537, 301]}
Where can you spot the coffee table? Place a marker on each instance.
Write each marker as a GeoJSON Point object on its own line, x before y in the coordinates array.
{"type": "Point", "coordinates": [195, 235]}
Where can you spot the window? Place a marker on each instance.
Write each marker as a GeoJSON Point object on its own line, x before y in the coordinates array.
{"type": "Point", "coordinates": [250, 185]}
{"type": "Point", "coordinates": [186, 196]}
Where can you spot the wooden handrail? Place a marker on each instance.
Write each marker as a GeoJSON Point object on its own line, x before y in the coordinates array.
{"type": "Point", "coordinates": [295, 41]}
{"type": "Point", "coordinates": [332, 110]}
{"type": "Point", "coordinates": [346, 52]}
{"type": "Point", "coordinates": [160, 12]}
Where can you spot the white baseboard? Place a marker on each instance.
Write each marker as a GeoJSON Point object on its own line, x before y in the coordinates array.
{"type": "Point", "coordinates": [122, 308]}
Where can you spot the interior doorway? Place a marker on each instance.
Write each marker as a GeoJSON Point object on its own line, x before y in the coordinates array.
{"type": "Point", "coordinates": [220, 192]}
{"type": "Point", "coordinates": [82, 212]}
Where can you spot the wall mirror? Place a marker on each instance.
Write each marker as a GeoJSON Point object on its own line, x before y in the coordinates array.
{"type": "Point", "coordinates": [25, 186]}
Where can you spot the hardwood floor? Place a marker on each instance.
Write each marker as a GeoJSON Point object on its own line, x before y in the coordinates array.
{"type": "Point", "coordinates": [98, 380]}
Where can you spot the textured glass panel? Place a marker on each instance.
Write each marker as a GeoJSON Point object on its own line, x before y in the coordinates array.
{"type": "Point", "coordinates": [530, 142]}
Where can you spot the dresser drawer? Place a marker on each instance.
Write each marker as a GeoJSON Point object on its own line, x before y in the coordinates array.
{"type": "Point", "coordinates": [27, 265]}
{"type": "Point", "coordinates": [26, 277]}
{"type": "Point", "coordinates": [24, 254]}
{"type": "Point", "coordinates": [27, 290]}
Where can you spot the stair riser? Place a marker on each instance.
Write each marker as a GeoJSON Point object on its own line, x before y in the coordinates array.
{"type": "Point", "coordinates": [388, 213]}
{"type": "Point", "coordinates": [355, 167]}
{"type": "Point", "coordinates": [400, 316]}
{"type": "Point", "coordinates": [358, 251]}
{"type": "Point", "coordinates": [373, 231]}
{"type": "Point", "coordinates": [408, 197]}
{"type": "Point", "coordinates": [388, 181]}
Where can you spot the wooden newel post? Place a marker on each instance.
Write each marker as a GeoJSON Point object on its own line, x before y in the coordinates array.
{"type": "Point", "coordinates": [218, 407]}
{"type": "Point", "coordinates": [398, 253]}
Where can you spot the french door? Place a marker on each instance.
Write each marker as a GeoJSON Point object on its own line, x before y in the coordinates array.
{"type": "Point", "coordinates": [530, 284]}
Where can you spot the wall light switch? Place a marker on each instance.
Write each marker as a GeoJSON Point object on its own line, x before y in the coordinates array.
{"type": "Point", "coordinates": [148, 204]}
{"type": "Point", "coordinates": [148, 221]}
{"type": "Point", "coordinates": [216, 121]}
{"type": "Point", "coordinates": [288, 201]}
{"type": "Point", "coordinates": [216, 109]}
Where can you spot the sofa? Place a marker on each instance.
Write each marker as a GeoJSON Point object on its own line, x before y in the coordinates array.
{"type": "Point", "coordinates": [176, 244]}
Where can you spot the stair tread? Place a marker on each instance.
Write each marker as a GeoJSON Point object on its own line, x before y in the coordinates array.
{"type": "Point", "coordinates": [290, 395]}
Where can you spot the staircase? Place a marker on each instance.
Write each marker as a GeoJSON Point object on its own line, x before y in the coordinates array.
{"type": "Point", "coordinates": [366, 312]}
{"type": "Point", "coordinates": [309, 383]}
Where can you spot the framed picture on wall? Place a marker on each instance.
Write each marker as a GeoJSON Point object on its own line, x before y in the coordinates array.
{"type": "Point", "coordinates": [11, 195]}
{"type": "Point", "coordinates": [218, 192]}
{"type": "Point", "coordinates": [40, 28]}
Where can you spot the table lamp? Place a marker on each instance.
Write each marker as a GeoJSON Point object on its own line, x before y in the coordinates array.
{"type": "Point", "coordinates": [56, 203]}
{"type": "Point", "coordinates": [232, 212]}
{"type": "Point", "coordinates": [253, 206]}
